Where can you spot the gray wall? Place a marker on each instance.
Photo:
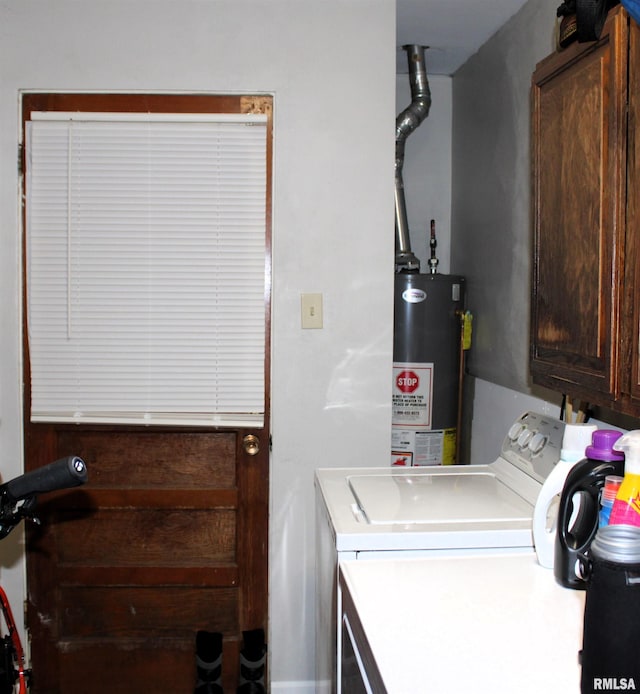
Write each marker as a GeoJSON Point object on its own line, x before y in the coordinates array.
{"type": "Point", "coordinates": [491, 220]}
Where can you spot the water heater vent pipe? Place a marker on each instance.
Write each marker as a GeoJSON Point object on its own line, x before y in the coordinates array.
{"type": "Point", "coordinates": [406, 123]}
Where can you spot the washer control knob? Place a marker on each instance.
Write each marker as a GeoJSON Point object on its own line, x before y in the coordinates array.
{"type": "Point", "coordinates": [515, 430]}
{"type": "Point", "coordinates": [524, 438]}
{"type": "Point", "coordinates": [537, 443]}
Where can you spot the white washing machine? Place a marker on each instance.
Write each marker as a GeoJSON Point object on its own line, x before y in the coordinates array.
{"type": "Point", "coordinates": [387, 513]}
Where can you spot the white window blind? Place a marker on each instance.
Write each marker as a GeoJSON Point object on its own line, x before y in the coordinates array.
{"type": "Point", "coordinates": [146, 268]}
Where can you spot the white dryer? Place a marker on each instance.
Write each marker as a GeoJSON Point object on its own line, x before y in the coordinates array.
{"type": "Point", "coordinates": [378, 513]}
{"type": "Point", "coordinates": [482, 624]}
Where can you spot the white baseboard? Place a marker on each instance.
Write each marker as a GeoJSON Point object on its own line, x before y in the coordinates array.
{"type": "Point", "coordinates": [305, 687]}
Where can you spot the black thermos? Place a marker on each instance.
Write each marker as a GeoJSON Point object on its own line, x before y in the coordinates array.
{"type": "Point", "coordinates": [609, 657]}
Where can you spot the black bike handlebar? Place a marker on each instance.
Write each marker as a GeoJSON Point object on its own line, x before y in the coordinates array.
{"type": "Point", "coordinates": [62, 474]}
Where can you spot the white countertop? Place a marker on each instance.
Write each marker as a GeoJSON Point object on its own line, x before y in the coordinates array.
{"type": "Point", "coordinates": [488, 623]}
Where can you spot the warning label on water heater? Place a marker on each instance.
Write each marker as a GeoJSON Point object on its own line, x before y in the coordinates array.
{"type": "Point", "coordinates": [413, 447]}
{"type": "Point", "coordinates": [412, 395]}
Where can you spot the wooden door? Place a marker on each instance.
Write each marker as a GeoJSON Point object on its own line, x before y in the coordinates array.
{"type": "Point", "coordinates": [168, 537]}
{"type": "Point", "coordinates": [579, 159]}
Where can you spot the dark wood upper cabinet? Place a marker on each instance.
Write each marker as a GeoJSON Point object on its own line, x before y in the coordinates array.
{"type": "Point", "coordinates": [631, 297]}
{"type": "Point", "coordinates": [586, 281]}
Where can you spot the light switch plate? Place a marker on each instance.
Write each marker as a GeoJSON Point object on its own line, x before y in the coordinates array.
{"type": "Point", "coordinates": [311, 307]}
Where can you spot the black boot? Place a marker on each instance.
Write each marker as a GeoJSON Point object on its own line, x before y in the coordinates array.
{"type": "Point", "coordinates": [253, 657]}
{"type": "Point", "coordinates": [208, 663]}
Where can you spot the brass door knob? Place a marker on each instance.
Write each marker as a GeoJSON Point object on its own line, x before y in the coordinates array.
{"type": "Point", "coordinates": [251, 444]}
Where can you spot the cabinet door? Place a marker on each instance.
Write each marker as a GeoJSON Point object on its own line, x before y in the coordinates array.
{"type": "Point", "coordinates": [579, 149]}
{"type": "Point", "coordinates": [631, 299]}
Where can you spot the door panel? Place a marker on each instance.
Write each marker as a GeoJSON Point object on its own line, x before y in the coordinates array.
{"type": "Point", "coordinates": [125, 570]}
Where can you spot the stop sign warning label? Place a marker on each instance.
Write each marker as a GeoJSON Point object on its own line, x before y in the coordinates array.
{"type": "Point", "coordinates": [412, 395]}
{"type": "Point", "coordinates": [407, 381]}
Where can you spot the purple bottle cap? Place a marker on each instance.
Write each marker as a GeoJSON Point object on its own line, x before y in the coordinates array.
{"type": "Point", "coordinates": [601, 447]}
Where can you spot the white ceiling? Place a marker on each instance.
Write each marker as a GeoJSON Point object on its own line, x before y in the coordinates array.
{"type": "Point", "coordinates": [453, 29]}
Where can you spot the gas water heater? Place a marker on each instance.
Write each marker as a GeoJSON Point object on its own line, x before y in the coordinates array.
{"type": "Point", "coordinates": [428, 322]}
{"type": "Point", "coordinates": [428, 310]}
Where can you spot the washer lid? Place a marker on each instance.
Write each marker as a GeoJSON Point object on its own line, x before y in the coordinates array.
{"type": "Point", "coordinates": [432, 498]}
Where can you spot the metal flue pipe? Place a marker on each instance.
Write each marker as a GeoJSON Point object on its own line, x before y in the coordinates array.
{"type": "Point", "coordinates": [406, 123]}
